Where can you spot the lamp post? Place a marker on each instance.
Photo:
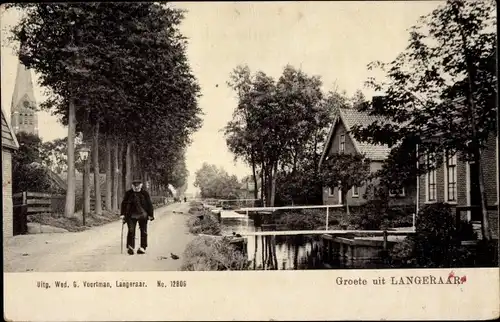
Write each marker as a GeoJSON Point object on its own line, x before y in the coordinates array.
{"type": "Point", "coordinates": [84, 152]}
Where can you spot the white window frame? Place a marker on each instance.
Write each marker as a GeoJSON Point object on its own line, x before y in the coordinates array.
{"type": "Point", "coordinates": [447, 180]}
{"type": "Point", "coordinates": [428, 175]}
{"type": "Point", "coordinates": [342, 143]}
{"type": "Point", "coordinates": [355, 192]}
{"type": "Point", "coordinates": [331, 191]}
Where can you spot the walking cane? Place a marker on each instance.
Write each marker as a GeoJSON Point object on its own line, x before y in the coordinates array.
{"type": "Point", "coordinates": [121, 239]}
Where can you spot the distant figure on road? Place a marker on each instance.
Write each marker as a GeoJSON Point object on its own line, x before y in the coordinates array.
{"type": "Point", "coordinates": [185, 199]}
{"type": "Point", "coordinates": [137, 208]}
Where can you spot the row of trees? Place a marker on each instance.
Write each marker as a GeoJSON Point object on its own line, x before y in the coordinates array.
{"type": "Point", "coordinates": [116, 73]}
{"type": "Point", "coordinates": [215, 182]}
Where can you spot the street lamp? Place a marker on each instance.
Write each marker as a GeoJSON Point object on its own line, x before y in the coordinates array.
{"type": "Point", "coordinates": [84, 152]}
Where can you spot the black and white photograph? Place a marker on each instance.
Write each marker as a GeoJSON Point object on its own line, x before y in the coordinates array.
{"type": "Point", "coordinates": [250, 136]}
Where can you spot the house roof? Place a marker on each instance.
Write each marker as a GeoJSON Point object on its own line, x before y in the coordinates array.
{"type": "Point", "coordinates": [350, 117]}
{"type": "Point", "coordinates": [9, 139]}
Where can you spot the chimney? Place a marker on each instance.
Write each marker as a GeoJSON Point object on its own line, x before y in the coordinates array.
{"type": "Point", "coordinates": [378, 102]}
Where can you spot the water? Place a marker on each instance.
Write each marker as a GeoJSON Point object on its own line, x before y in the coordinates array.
{"type": "Point", "coordinates": [297, 252]}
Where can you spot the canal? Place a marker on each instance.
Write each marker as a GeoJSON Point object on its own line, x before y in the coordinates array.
{"type": "Point", "coordinates": [299, 252]}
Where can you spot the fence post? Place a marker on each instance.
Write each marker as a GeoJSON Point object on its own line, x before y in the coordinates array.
{"type": "Point", "coordinates": [327, 217]}
{"type": "Point", "coordinates": [385, 240]}
{"type": "Point", "coordinates": [25, 198]}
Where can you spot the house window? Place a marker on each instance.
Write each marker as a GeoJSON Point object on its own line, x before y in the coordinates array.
{"type": "Point", "coordinates": [431, 179]}
{"type": "Point", "coordinates": [331, 191]}
{"type": "Point", "coordinates": [341, 201]}
{"type": "Point", "coordinates": [355, 191]}
{"type": "Point", "coordinates": [342, 143]}
{"type": "Point", "coordinates": [451, 178]}
{"type": "Point", "coordinates": [397, 192]}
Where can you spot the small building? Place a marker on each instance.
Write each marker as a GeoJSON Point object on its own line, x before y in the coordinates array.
{"type": "Point", "coordinates": [9, 145]}
{"type": "Point", "coordinates": [340, 140]}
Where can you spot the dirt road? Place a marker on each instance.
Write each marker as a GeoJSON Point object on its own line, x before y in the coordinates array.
{"type": "Point", "coordinates": [98, 249]}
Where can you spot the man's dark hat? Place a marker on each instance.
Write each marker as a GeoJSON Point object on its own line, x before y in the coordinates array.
{"type": "Point", "coordinates": [136, 181]}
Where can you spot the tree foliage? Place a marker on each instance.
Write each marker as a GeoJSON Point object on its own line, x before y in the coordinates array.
{"type": "Point", "coordinates": [124, 69]}
{"type": "Point", "coordinates": [28, 174]}
{"type": "Point", "coordinates": [215, 182]}
{"type": "Point", "coordinates": [275, 123]}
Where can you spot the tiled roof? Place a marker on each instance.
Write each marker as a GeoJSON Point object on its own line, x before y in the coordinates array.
{"type": "Point", "coordinates": [351, 117]}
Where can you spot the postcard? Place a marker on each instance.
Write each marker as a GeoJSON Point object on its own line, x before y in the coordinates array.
{"type": "Point", "coordinates": [305, 160]}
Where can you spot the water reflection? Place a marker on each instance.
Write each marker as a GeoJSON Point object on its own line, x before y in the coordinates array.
{"type": "Point", "coordinates": [276, 252]}
{"type": "Point", "coordinates": [289, 252]}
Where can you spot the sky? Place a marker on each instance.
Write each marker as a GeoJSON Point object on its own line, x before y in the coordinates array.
{"type": "Point", "coordinates": [332, 39]}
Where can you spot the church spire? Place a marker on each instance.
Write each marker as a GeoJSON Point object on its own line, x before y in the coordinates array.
{"type": "Point", "coordinates": [24, 116]}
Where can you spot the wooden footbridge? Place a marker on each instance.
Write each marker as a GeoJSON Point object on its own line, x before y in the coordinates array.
{"type": "Point", "coordinates": [271, 210]}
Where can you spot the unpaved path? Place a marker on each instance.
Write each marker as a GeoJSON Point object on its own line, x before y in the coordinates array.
{"type": "Point", "coordinates": [98, 249]}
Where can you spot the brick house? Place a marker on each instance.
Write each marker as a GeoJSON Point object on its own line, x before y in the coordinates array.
{"type": "Point", "coordinates": [9, 144]}
{"type": "Point", "coordinates": [455, 182]}
{"type": "Point", "coordinates": [340, 140]}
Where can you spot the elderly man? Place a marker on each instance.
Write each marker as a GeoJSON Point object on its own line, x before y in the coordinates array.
{"type": "Point", "coordinates": [137, 208]}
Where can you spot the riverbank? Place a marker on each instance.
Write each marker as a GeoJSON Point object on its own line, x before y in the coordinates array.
{"type": "Point", "coordinates": [209, 251]}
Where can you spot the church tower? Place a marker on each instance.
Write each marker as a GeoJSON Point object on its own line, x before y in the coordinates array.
{"type": "Point", "coordinates": [24, 116]}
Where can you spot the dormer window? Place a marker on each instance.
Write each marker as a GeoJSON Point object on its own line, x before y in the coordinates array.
{"type": "Point", "coordinates": [342, 143]}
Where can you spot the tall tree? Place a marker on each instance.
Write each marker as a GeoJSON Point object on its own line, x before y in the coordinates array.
{"type": "Point", "coordinates": [273, 121]}
{"type": "Point", "coordinates": [442, 92]}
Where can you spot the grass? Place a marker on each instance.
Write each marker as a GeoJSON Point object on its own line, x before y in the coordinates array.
{"type": "Point", "coordinates": [207, 224]}
{"type": "Point", "coordinates": [207, 253]}
{"type": "Point", "coordinates": [73, 224]}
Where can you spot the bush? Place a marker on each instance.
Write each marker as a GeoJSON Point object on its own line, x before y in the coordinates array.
{"type": "Point", "coordinates": [213, 254]}
{"type": "Point", "coordinates": [308, 219]}
{"type": "Point", "coordinates": [436, 242]}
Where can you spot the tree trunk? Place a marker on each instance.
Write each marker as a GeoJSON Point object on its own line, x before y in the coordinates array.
{"type": "Point", "coordinates": [116, 176]}
{"type": "Point", "coordinates": [262, 184]}
{"type": "Point", "coordinates": [69, 208]}
{"type": "Point", "coordinates": [123, 168]}
{"type": "Point", "coordinates": [86, 189]}
{"type": "Point", "coordinates": [344, 196]}
{"type": "Point", "coordinates": [95, 162]}
{"type": "Point", "coordinates": [121, 174]}
{"type": "Point", "coordinates": [274, 172]}
{"type": "Point", "coordinates": [254, 177]}
{"type": "Point", "coordinates": [109, 171]}
{"type": "Point", "coordinates": [485, 226]}
{"type": "Point", "coordinates": [128, 166]}
{"type": "Point", "coordinates": [135, 169]}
